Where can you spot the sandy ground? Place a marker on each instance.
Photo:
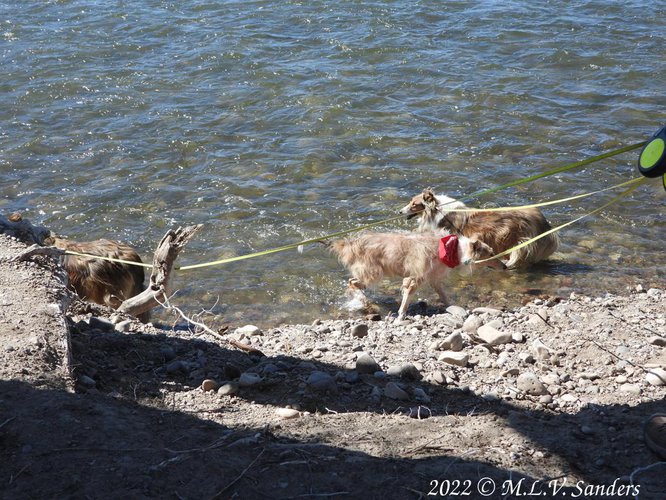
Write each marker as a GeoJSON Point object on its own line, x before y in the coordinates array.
{"type": "Point", "coordinates": [546, 400]}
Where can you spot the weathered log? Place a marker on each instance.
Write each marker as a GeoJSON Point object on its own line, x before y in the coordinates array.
{"type": "Point", "coordinates": [158, 287]}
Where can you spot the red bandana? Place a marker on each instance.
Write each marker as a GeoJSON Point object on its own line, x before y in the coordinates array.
{"type": "Point", "coordinates": [448, 250]}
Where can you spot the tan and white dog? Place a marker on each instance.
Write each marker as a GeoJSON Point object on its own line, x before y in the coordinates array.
{"type": "Point", "coordinates": [416, 257]}
{"type": "Point", "coordinates": [499, 230]}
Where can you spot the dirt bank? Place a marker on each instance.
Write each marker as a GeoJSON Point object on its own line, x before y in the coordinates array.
{"type": "Point", "coordinates": [483, 403]}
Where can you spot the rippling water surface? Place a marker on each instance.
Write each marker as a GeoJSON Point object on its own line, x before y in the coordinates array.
{"type": "Point", "coordinates": [271, 122]}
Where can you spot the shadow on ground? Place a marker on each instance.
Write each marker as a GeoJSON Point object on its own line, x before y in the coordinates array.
{"type": "Point", "coordinates": [133, 436]}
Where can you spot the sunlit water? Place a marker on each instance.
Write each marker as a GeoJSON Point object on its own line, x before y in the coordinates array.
{"type": "Point", "coordinates": [271, 122]}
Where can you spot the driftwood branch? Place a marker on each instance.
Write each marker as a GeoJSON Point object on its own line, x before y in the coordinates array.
{"type": "Point", "coordinates": [239, 345]}
{"type": "Point", "coordinates": [35, 250]}
{"type": "Point", "coordinates": [158, 287]}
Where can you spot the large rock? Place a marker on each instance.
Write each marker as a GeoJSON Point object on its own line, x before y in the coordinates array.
{"type": "Point", "coordinates": [530, 384]}
{"type": "Point", "coordinates": [366, 364]}
{"type": "Point", "coordinates": [454, 358]}
{"type": "Point", "coordinates": [493, 336]}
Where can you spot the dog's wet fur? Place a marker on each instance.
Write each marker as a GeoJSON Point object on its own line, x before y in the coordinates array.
{"type": "Point", "coordinates": [370, 257]}
{"type": "Point", "coordinates": [101, 281]}
{"type": "Point", "coordinates": [499, 230]}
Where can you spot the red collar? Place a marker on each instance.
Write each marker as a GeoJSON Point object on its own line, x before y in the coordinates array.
{"type": "Point", "coordinates": [448, 250]}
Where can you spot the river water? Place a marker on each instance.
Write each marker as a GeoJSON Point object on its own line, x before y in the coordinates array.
{"type": "Point", "coordinates": [272, 122]}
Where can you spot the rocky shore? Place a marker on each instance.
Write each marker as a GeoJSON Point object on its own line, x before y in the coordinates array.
{"type": "Point", "coordinates": [548, 397]}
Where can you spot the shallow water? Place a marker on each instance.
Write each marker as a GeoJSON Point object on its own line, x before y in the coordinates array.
{"type": "Point", "coordinates": [271, 122]}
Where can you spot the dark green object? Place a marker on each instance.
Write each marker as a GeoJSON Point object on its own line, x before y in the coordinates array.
{"type": "Point", "coordinates": [652, 160]}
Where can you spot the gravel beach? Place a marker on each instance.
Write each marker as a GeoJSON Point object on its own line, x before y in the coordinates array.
{"type": "Point", "coordinates": [549, 397]}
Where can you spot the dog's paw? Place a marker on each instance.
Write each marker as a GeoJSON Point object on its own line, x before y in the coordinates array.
{"type": "Point", "coordinates": [356, 303]}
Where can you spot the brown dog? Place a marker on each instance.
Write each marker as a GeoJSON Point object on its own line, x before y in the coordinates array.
{"type": "Point", "coordinates": [500, 230]}
{"type": "Point", "coordinates": [416, 257]}
{"type": "Point", "coordinates": [101, 281]}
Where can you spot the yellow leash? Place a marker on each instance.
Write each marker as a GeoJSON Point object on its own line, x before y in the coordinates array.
{"type": "Point", "coordinates": [624, 193]}
{"type": "Point", "coordinates": [545, 203]}
{"type": "Point", "coordinates": [634, 183]}
{"type": "Point", "coordinates": [360, 228]}
{"type": "Point", "coordinates": [385, 221]}
{"type": "Point", "coordinates": [110, 259]}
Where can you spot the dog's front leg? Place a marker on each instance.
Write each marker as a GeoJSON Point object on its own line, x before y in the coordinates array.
{"type": "Point", "coordinates": [409, 285]}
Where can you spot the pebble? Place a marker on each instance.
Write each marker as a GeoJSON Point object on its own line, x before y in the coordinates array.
{"type": "Point", "coordinates": [249, 330]}
{"type": "Point", "coordinates": [491, 396]}
{"type": "Point", "coordinates": [541, 352]}
{"type": "Point", "coordinates": [586, 429]}
{"type": "Point", "coordinates": [530, 384]}
{"type": "Point", "coordinates": [472, 324]}
{"type": "Point", "coordinates": [269, 369]}
{"type": "Point", "coordinates": [569, 398]}
{"type": "Point", "coordinates": [454, 358]}
{"type": "Point", "coordinates": [228, 389]}
{"type": "Point", "coordinates": [209, 385]}
{"type": "Point", "coordinates": [248, 379]}
{"type": "Point", "coordinates": [492, 336]}
{"type": "Point", "coordinates": [658, 341]}
{"type": "Point", "coordinates": [526, 358]}
{"type": "Point", "coordinates": [631, 389]}
{"type": "Point", "coordinates": [287, 413]}
{"type": "Point", "coordinates": [438, 378]}
{"type": "Point", "coordinates": [406, 372]}
{"type": "Point", "coordinates": [366, 364]}
{"type": "Point", "coordinates": [502, 359]}
{"type": "Point", "coordinates": [86, 381]}
{"type": "Point", "coordinates": [393, 391]}
{"type": "Point", "coordinates": [420, 395]}
{"type": "Point", "coordinates": [457, 311]}
{"type": "Point", "coordinates": [487, 310]}
{"type": "Point", "coordinates": [656, 377]}
{"type": "Point", "coordinates": [621, 379]}
{"type": "Point", "coordinates": [451, 321]}
{"type": "Point", "coordinates": [123, 326]}
{"type": "Point", "coordinates": [546, 399]}
{"type": "Point", "coordinates": [359, 331]}
{"type": "Point", "coordinates": [321, 381]}
{"type": "Point", "coordinates": [453, 342]}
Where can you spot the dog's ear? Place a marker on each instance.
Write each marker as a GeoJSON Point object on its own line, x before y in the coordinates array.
{"type": "Point", "coordinates": [428, 195]}
{"type": "Point", "coordinates": [481, 249]}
